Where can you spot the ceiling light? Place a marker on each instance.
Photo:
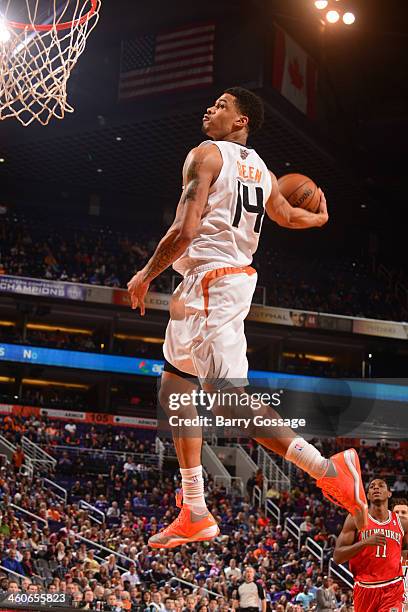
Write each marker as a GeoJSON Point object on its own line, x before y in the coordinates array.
{"type": "Point", "coordinates": [5, 34]}
{"type": "Point", "coordinates": [349, 18]}
{"type": "Point", "coordinates": [321, 4]}
{"type": "Point", "coordinates": [2, 160]}
{"type": "Point", "coordinates": [332, 16]}
{"type": "Point", "coordinates": [99, 170]}
{"type": "Point", "coordinates": [119, 138]}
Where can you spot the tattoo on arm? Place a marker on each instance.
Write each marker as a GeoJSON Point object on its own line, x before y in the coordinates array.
{"type": "Point", "coordinates": [192, 182]}
{"type": "Point", "coordinates": [168, 250]}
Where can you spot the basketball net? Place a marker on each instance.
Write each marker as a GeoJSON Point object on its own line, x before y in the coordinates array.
{"type": "Point", "coordinates": [36, 59]}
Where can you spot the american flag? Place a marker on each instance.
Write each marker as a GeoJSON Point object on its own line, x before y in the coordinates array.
{"type": "Point", "coordinates": [160, 63]}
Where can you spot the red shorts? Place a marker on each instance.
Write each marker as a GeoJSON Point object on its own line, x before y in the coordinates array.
{"type": "Point", "coordinates": [380, 599]}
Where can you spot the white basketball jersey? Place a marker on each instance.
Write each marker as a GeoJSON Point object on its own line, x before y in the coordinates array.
{"type": "Point", "coordinates": [231, 223]}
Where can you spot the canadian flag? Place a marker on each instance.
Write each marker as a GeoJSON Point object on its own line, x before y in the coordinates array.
{"type": "Point", "coordinates": [294, 74]}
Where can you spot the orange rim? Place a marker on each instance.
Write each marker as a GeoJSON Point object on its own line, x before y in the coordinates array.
{"type": "Point", "coordinates": [57, 26]}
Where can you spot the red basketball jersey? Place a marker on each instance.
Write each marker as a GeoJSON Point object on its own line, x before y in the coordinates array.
{"type": "Point", "coordinates": [379, 563]}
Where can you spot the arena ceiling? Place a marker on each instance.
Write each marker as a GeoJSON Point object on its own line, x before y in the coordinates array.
{"type": "Point", "coordinates": [144, 158]}
{"type": "Point", "coordinates": [107, 150]}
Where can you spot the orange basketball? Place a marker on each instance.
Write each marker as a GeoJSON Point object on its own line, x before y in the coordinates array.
{"type": "Point", "coordinates": [300, 191]}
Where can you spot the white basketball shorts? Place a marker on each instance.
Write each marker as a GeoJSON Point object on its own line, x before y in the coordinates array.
{"type": "Point", "coordinates": [205, 335]}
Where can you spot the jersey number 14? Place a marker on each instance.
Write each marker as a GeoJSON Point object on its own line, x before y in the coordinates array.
{"type": "Point", "coordinates": [243, 200]}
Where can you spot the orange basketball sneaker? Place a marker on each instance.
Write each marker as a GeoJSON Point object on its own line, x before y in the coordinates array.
{"type": "Point", "coordinates": [343, 486]}
{"type": "Point", "coordinates": [187, 527]}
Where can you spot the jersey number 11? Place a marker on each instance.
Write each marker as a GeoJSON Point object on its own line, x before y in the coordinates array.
{"type": "Point", "coordinates": [384, 552]}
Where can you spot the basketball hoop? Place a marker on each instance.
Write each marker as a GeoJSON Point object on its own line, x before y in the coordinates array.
{"type": "Point", "coordinates": [37, 58]}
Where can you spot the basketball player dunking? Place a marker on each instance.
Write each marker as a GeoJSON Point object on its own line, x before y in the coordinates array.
{"type": "Point", "coordinates": [400, 507]}
{"type": "Point", "coordinates": [227, 189]}
{"type": "Point", "coordinates": [374, 554]}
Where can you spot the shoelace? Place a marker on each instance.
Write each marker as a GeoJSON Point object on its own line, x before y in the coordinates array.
{"type": "Point", "coordinates": [335, 495]}
{"type": "Point", "coordinates": [176, 523]}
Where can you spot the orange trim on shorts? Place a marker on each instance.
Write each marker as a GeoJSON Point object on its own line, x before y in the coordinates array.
{"type": "Point", "coordinates": [219, 273]}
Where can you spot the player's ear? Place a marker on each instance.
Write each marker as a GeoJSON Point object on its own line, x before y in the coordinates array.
{"type": "Point", "coordinates": [243, 121]}
{"type": "Point", "coordinates": [389, 494]}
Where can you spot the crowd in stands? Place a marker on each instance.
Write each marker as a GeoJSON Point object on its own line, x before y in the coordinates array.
{"type": "Point", "coordinates": [56, 339]}
{"type": "Point", "coordinates": [84, 252]}
{"type": "Point", "coordinates": [46, 397]}
{"type": "Point", "coordinates": [137, 500]}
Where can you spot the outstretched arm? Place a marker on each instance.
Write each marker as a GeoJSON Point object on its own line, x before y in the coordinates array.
{"type": "Point", "coordinates": [346, 545]}
{"type": "Point", "coordinates": [201, 167]}
{"type": "Point", "coordinates": [279, 210]}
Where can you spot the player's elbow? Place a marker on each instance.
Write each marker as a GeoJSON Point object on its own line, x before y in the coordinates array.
{"type": "Point", "coordinates": [283, 220]}
{"type": "Point", "coordinates": [337, 557]}
{"type": "Point", "coordinates": [184, 237]}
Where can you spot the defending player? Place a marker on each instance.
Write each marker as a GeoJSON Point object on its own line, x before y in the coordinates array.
{"type": "Point", "coordinates": [227, 189]}
{"type": "Point", "coordinates": [374, 553]}
{"type": "Point", "coordinates": [400, 507]}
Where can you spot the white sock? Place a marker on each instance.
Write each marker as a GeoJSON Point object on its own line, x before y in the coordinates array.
{"type": "Point", "coordinates": [193, 488]}
{"type": "Point", "coordinates": [306, 457]}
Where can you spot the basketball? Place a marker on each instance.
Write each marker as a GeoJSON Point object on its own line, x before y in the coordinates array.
{"type": "Point", "coordinates": [300, 191]}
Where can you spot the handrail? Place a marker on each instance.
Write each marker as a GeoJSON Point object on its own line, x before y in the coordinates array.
{"type": "Point", "coordinates": [64, 495]}
{"type": "Point", "coordinates": [9, 571]}
{"type": "Point", "coordinates": [257, 496]}
{"type": "Point", "coordinates": [348, 574]}
{"type": "Point", "coordinates": [39, 454]}
{"type": "Point", "coordinates": [194, 586]}
{"type": "Point", "coordinates": [316, 550]}
{"type": "Point", "coordinates": [101, 547]}
{"type": "Point", "coordinates": [82, 503]}
{"type": "Point", "coordinates": [160, 448]}
{"type": "Point", "coordinates": [142, 457]}
{"type": "Point", "coordinates": [119, 567]}
{"type": "Point", "coordinates": [7, 443]}
{"type": "Point", "coordinates": [215, 467]}
{"type": "Point", "coordinates": [35, 516]}
{"type": "Point", "coordinates": [272, 508]}
{"type": "Point", "coordinates": [28, 465]}
{"type": "Point", "coordinates": [226, 480]}
{"type": "Point", "coordinates": [294, 530]}
{"type": "Point", "coordinates": [273, 474]}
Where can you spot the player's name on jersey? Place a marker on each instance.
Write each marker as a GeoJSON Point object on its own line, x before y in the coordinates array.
{"type": "Point", "coordinates": [249, 173]}
{"type": "Point", "coordinates": [388, 533]}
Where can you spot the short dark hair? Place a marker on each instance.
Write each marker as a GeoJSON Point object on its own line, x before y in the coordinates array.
{"type": "Point", "coordinates": [378, 478]}
{"type": "Point", "coordinates": [399, 501]}
{"type": "Point", "coordinates": [250, 105]}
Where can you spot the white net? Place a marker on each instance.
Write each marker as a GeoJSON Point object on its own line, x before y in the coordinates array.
{"type": "Point", "coordinates": [39, 47]}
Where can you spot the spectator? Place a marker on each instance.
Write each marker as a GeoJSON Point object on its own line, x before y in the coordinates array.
{"type": "Point", "coordinates": [11, 563]}
{"type": "Point", "coordinates": [88, 603]}
{"type": "Point", "coordinates": [306, 526]}
{"type": "Point", "coordinates": [113, 511]}
{"type": "Point", "coordinates": [400, 486]}
{"type": "Point", "coordinates": [18, 458]}
{"type": "Point", "coordinates": [324, 598]}
{"type": "Point", "coordinates": [130, 465]}
{"type": "Point", "coordinates": [13, 587]}
{"type": "Point", "coordinates": [305, 598]}
{"type": "Point", "coordinates": [232, 570]}
{"type": "Point", "coordinates": [131, 576]}
{"type": "Point", "coordinates": [27, 564]}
